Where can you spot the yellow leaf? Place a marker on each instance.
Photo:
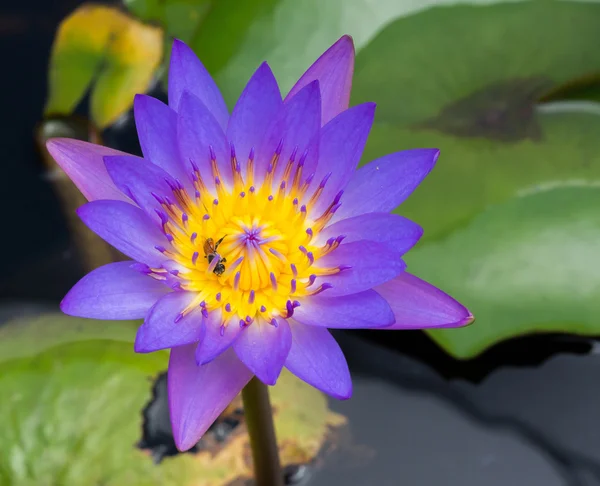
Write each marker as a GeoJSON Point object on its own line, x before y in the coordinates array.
{"type": "Point", "coordinates": [104, 49]}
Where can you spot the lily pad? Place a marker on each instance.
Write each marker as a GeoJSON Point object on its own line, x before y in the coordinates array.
{"type": "Point", "coordinates": [467, 79]}
{"type": "Point", "coordinates": [237, 35]}
{"type": "Point", "coordinates": [74, 392]}
{"type": "Point", "coordinates": [528, 265]}
{"type": "Point", "coordinates": [100, 48]}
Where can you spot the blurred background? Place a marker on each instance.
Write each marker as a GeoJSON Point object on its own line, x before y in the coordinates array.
{"type": "Point", "coordinates": [508, 90]}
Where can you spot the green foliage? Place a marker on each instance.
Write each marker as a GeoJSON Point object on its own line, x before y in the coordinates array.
{"type": "Point", "coordinates": [73, 393]}
{"type": "Point", "coordinates": [471, 89]}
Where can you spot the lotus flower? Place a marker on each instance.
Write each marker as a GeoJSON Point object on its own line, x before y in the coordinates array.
{"type": "Point", "coordinates": [252, 233]}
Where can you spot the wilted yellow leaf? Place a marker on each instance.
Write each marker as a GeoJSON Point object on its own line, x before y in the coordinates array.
{"type": "Point", "coordinates": [105, 50]}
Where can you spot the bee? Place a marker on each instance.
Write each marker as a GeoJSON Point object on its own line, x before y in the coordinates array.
{"type": "Point", "coordinates": [210, 252]}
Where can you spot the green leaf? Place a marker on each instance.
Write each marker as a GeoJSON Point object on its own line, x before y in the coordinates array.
{"type": "Point", "coordinates": [528, 265]}
{"type": "Point", "coordinates": [28, 337]}
{"type": "Point", "coordinates": [102, 49]}
{"type": "Point", "coordinates": [236, 36]}
{"type": "Point", "coordinates": [180, 18]}
{"type": "Point", "coordinates": [73, 393]}
{"type": "Point", "coordinates": [466, 79]}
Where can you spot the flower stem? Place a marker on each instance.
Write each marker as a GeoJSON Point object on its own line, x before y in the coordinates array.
{"type": "Point", "coordinates": [259, 420]}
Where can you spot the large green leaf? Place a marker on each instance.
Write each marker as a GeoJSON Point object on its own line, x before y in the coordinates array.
{"type": "Point", "coordinates": [467, 79]}
{"type": "Point", "coordinates": [528, 265]}
{"type": "Point", "coordinates": [238, 35]}
{"type": "Point", "coordinates": [73, 393]}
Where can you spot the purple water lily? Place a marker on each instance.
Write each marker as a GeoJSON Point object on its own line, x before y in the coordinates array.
{"type": "Point", "coordinates": [252, 233]}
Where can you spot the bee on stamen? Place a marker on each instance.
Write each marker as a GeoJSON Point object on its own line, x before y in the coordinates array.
{"type": "Point", "coordinates": [210, 253]}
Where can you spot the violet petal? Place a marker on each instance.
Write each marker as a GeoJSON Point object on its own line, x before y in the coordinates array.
{"type": "Point", "coordinates": [295, 126]}
{"type": "Point", "coordinates": [254, 111]}
{"type": "Point", "coordinates": [156, 125]}
{"type": "Point", "coordinates": [199, 394]}
{"type": "Point", "coordinates": [139, 180]}
{"type": "Point", "coordinates": [357, 311]}
{"type": "Point", "coordinates": [419, 305]}
{"type": "Point", "coordinates": [164, 327]}
{"type": "Point", "coordinates": [83, 162]}
{"type": "Point", "coordinates": [398, 232]}
{"type": "Point", "coordinates": [198, 135]}
{"type": "Point", "coordinates": [372, 264]}
{"type": "Point", "coordinates": [341, 145]}
{"type": "Point", "coordinates": [127, 228]}
{"type": "Point", "coordinates": [186, 73]}
{"type": "Point", "coordinates": [316, 358]}
{"type": "Point", "coordinates": [263, 348]}
{"type": "Point", "coordinates": [334, 71]}
{"type": "Point", "coordinates": [114, 291]}
{"type": "Point", "coordinates": [217, 338]}
{"type": "Point", "coordinates": [382, 185]}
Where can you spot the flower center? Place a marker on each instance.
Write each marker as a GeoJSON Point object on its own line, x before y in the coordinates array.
{"type": "Point", "coordinates": [248, 251]}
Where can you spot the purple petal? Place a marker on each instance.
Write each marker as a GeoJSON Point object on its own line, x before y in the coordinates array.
{"type": "Point", "coordinates": [198, 134]}
{"type": "Point", "coordinates": [296, 125]}
{"type": "Point", "coordinates": [334, 71]}
{"type": "Point", "coordinates": [316, 358]}
{"type": "Point", "coordinates": [83, 162]}
{"type": "Point", "coordinates": [256, 108]}
{"type": "Point", "coordinates": [398, 232]}
{"type": "Point", "coordinates": [214, 343]}
{"type": "Point", "coordinates": [199, 394]}
{"type": "Point", "coordinates": [340, 148]}
{"type": "Point", "coordinates": [127, 228]}
{"type": "Point", "coordinates": [186, 73]}
{"type": "Point", "coordinates": [157, 131]}
{"type": "Point", "coordinates": [113, 292]}
{"type": "Point", "coordinates": [371, 263]}
{"type": "Point", "coordinates": [419, 305]}
{"type": "Point", "coordinates": [264, 347]}
{"type": "Point", "coordinates": [357, 311]}
{"type": "Point", "coordinates": [164, 327]}
{"type": "Point", "coordinates": [382, 185]}
{"type": "Point", "coordinates": [139, 179]}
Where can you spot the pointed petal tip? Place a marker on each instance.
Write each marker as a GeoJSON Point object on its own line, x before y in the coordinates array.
{"type": "Point", "coordinates": [138, 344]}
{"type": "Point", "coordinates": [418, 304]}
{"type": "Point", "coordinates": [347, 38]}
{"type": "Point", "coordinates": [51, 144]}
{"type": "Point", "coordinates": [178, 44]}
{"type": "Point", "coordinates": [184, 443]}
{"type": "Point", "coordinates": [267, 380]}
{"type": "Point", "coordinates": [467, 321]}
{"type": "Point", "coordinates": [69, 307]}
{"type": "Point", "coordinates": [58, 144]}
{"type": "Point", "coordinates": [346, 42]}
{"type": "Point", "coordinates": [64, 305]}
{"type": "Point", "coordinates": [341, 394]}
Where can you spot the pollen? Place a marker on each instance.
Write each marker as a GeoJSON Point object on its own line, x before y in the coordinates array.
{"type": "Point", "coordinates": [246, 249]}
